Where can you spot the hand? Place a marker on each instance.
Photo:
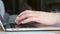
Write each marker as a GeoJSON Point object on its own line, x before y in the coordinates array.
{"type": "Point", "coordinates": [36, 16]}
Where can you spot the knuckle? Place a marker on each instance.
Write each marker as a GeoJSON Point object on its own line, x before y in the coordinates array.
{"type": "Point", "coordinates": [28, 11]}
{"type": "Point", "coordinates": [28, 14]}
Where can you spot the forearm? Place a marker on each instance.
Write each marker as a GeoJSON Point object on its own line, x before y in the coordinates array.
{"type": "Point", "coordinates": [56, 16]}
{"type": "Point", "coordinates": [58, 19]}
{"type": "Point", "coordinates": [49, 18]}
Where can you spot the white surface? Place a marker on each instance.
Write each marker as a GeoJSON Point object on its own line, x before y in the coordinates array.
{"type": "Point", "coordinates": [27, 33]}
{"type": "Point", "coordinates": [27, 29]}
{"type": "Point", "coordinates": [2, 10]}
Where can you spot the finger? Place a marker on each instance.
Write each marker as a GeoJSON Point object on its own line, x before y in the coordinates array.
{"type": "Point", "coordinates": [17, 20]}
{"type": "Point", "coordinates": [26, 21]}
{"type": "Point", "coordinates": [26, 16]}
{"type": "Point", "coordinates": [25, 12]}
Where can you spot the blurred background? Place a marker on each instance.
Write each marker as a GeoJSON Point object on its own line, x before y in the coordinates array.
{"type": "Point", "coordinates": [17, 6]}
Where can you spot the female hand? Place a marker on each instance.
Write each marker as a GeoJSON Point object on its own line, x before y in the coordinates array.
{"type": "Point", "coordinates": [36, 16]}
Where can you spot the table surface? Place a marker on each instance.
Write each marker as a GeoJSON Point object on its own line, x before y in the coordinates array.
{"type": "Point", "coordinates": [40, 32]}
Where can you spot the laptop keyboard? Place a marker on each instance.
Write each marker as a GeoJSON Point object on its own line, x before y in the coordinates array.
{"type": "Point", "coordinates": [27, 25]}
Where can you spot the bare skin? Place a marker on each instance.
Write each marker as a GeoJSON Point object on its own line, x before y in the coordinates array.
{"type": "Point", "coordinates": [45, 18]}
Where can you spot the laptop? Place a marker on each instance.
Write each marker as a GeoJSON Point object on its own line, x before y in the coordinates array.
{"type": "Point", "coordinates": [12, 27]}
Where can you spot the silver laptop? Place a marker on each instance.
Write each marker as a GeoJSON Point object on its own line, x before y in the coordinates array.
{"type": "Point", "coordinates": [23, 27]}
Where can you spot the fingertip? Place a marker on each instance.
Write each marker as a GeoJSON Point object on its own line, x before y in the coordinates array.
{"type": "Point", "coordinates": [18, 23]}
{"type": "Point", "coordinates": [23, 22]}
